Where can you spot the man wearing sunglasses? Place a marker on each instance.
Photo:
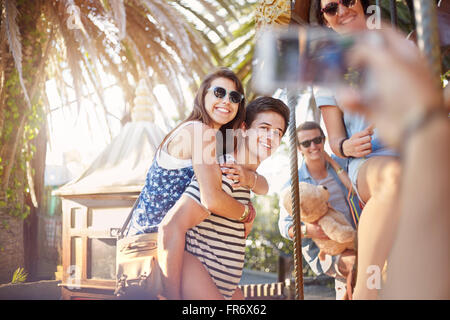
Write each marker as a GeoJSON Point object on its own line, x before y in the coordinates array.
{"type": "Point", "coordinates": [319, 168]}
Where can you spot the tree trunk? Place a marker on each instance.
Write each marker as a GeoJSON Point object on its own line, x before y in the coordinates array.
{"type": "Point", "coordinates": [31, 224]}
{"type": "Point", "coordinates": [13, 177]}
{"type": "Point", "coordinates": [11, 227]}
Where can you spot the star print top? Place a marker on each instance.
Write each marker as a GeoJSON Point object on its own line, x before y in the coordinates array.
{"type": "Point", "coordinates": [167, 179]}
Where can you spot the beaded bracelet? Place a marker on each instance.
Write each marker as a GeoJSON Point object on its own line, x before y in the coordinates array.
{"type": "Point", "coordinates": [251, 213]}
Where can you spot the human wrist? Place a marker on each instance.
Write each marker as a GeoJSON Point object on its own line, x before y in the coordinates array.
{"type": "Point", "coordinates": [255, 179]}
{"type": "Point", "coordinates": [419, 125]}
{"type": "Point", "coordinates": [341, 148]}
{"type": "Point", "coordinates": [433, 130]}
{"type": "Point", "coordinates": [249, 213]}
{"type": "Point", "coordinates": [245, 214]}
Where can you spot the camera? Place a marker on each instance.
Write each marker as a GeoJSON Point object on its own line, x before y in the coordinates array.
{"type": "Point", "coordinates": [302, 56]}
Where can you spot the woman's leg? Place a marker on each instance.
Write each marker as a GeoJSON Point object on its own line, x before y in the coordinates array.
{"type": "Point", "coordinates": [378, 184]}
{"type": "Point", "coordinates": [185, 214]}
{"type": "Point", "coordinates": [196, 283]}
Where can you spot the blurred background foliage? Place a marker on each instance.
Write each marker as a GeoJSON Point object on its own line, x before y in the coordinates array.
{"type": "Point", "coordinates": [265, 244]}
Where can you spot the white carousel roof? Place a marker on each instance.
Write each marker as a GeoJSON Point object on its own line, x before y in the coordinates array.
{"type": "Point", "coordinates": [123, 164]}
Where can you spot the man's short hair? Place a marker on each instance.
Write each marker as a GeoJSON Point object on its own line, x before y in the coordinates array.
{"type": "Point", "coordinates": [264, 104]}
{"type": "Point", "coordinates": [310, 125]}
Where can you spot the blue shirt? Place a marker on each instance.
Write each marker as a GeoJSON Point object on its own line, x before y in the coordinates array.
{"type": "Point", "coordinates": [354, 123]}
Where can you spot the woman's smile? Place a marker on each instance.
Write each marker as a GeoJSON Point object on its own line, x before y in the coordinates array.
{"type": "Point", "coordinates": [223, 110]}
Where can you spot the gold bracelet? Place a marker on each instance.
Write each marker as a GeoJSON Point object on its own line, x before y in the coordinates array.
{"type": "Point", "coordinates": [339, 171]}
{"type": "Point", "coordinates": [245, 214]}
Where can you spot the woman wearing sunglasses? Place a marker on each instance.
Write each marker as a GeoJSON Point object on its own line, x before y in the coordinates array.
{"type": "Point", "coordinates": [214, 252]}
{"type": "Point", "coordinates": [190, 148]}
{"type": "Point", "coordinates": [373, 169]}
{"type": "Point", "coordinates": [318, 168]}
{"type": "Point", "coordinates": [342, 15]}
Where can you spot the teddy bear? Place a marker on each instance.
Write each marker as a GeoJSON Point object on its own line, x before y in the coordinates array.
{"type": "Point", "coordinates": [314, 208]}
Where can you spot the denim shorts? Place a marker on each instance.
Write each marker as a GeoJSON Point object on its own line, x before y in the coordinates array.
{"type": "Point", "coordinates": [353, 170]}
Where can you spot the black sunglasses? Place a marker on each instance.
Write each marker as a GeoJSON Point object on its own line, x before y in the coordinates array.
{"type": "Point", "coordinates": [316, 140]}
{"type": "Point", "coordinates": [331, 8]}
{"type": "Point", "coordinates": [221, 93]}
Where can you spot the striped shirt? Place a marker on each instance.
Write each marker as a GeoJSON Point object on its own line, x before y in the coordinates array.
{"type": "Point", "coordinates": [218, 242]}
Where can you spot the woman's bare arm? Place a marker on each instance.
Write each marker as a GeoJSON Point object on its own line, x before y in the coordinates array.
{"type": "Point", "coordinates": [209, 177]}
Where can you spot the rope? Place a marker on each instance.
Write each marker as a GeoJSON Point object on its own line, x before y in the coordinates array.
{"type": "Point", "coordinates": [298, 268]}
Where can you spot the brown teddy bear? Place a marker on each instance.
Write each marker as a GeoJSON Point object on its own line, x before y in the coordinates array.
{"type": "Point", "coordinates": [314, 208]}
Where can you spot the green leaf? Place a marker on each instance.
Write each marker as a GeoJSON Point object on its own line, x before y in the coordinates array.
{"type": "Point", "coordinates": [19, 276]}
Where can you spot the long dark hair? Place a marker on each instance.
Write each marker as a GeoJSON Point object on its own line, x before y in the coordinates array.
{"type": "Point", "coordinates": [319, 14]}
{"type": "Point", "coordinates": [199, 112]}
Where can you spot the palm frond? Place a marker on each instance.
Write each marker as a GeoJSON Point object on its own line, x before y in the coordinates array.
{"type": "Point", "coordinates": [14, 41]}
{"type": "Point", "coordinates": [230, 7]}
{"type": "Point", "coordinates": [118, 9]}
{"type": "Point", "coordinates": [166, 42]}
{"type": "Point", "coordinates": [205, 21]}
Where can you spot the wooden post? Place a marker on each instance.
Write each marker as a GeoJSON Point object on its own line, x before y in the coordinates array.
{"type": "Point", "coordinates": [300, 11]}
{"type": "Point", "coordinates": [393, 13]}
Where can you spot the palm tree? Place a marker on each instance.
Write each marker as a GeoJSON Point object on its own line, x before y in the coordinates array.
{"type": "Point", "coordinates": [74, 42]}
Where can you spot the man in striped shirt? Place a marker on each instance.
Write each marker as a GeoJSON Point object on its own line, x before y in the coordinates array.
{"type": "Point", "coordinates": [215, 247]}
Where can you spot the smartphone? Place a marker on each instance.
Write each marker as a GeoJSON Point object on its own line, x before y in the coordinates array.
{"type": "Point", "coordinates": [302, 56]}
